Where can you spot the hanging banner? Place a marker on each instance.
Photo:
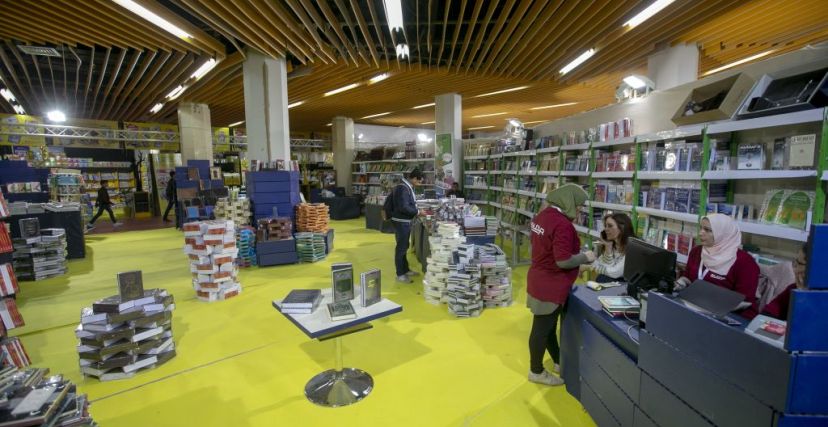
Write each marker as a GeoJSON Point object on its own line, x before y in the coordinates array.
{"type": "Point", "coordinates": [162, 142]}
{"type": "Point", "coordinates": [444, 164]}
{"type": "Point", "coordinates": [105, 125]}
{"type": "Point", "coordinates": [28, 140]}
{"type": "Point", "coordinates": [221, 140]}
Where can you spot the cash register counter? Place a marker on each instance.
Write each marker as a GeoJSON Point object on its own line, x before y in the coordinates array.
{"type": "Point", "coordinates": [684, 369]}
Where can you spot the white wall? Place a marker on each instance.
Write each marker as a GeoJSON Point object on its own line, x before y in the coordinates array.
{"type": "Point", "coordinates": [391, 134]}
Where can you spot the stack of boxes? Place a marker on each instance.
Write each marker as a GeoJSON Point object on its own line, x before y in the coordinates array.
{"type": "Point", "coordinates": [311, 246]}
{"type": "Point", "coordinates": [246, 242]}
{"type": "Point", "coordinates": [273, 189]}
{"type": "Point", "coordinates": [211, 248]}
{"type": "Point", "coordinates": [233, 209]}
{"type": "Point", "coordinates": [274, 242]}
{"type": "Point", "coordinates": [312, 217]}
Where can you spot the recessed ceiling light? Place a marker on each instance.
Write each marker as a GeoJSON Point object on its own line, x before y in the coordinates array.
{"type": "Point", "coordinates": [56, 116]}
{"type": "Point", "coordinates": [423, 106]}
{"type": "Point", "coordinates": [635, 82]}
{"type": "Point", "coordinates": [481, 127]}
{"type": "Point", "coordinates": [376, 115]}
{"type": "Point", "coordinates": [204, 69]}
{"type": "Point", "coordinates": [544, 107]}
{"type": "Point", "coordinates": [514, 89]}
{"type": "Point", "coordinates": [427, 123]}
{"type": "Point", "coordinates": [155, 19]}
{"type": "Point", "coordinates": [739, 62]}
{"type": "Point", "coordinates": [647, 13]}
{"type": "Point", "coordinates": [489, 115]}
{"type": "Point", "coordinates": [378, 78]}
{"type": "Point", "coordinates": [342, 89]}
{"type": "Point", "coordinates": [156, 108]}
{"type": "Point", "coordinates": [232, 125]}
{"type": "Point", "coordinates": [578, 61]}
{"type": "Point", "coordinates": [296, 104]}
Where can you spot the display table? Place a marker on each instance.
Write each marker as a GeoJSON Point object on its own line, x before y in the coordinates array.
{"type": "Point", "coordinates": [71, 221]}
{"type": "Point", "coordinates": [373, 219]}
{"type": "Point", "coordinates": [343, 207]}
{"type": "Point", "coordinates": [339, 386]}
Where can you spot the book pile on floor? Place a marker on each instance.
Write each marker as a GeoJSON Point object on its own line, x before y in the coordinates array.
{"type": "Point", "coordinates": [211, 249]}
{"type": "Point", "coordinates": [274, 228]}
{"type": "Point", "coordinates": [33, 399]}
{"type": "Point", "coordinates": [496, 276]}
{"type": "Point", "coordinates": [38, 257]}
{"type": "Point", "coordinates": [234, 209]}
{"type": "Point", "coordinates": [463, 284]}
{"type": "Point", "coordinates": [310, 246]}
{"type": "Point", "coordinates": [126, 333]}
{"type": "Point", "coordinates": [246, 242]}
{"type": "Point", "coordinates": [312, 217]}
{"type": "Point", "coordinates": [12, 353]}
{"type": "Point", "coordinates": [441, 262]}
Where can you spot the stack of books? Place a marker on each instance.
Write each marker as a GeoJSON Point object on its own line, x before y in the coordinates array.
{"type": "Point", "coordinates": [474, 225]}
{"type": "Point", "coordinates": [620, 306]}
{"type": "Point", "coordinates": [310, 247]}
{"type": "Point", "coordinates": [246, 242]}
{"type": "Point", "coordinates": [8, 281]}
{"type": "Point", "coordinates": [211, 249]}
{"type": "Point", "coordinates": [35, 399]}
{"type": "Point", "coordinates": [441, 262]}
{"type": "Point", "coordinates": [40, 256]}
{"type": "Point", "coordinates": [301, 301]}
{"type": "Point", "coordinates": [234, 209]}
{"type": "Point", "coordinates": [5, 240]}
{"type": "Point", "coordinates": [496, 276]}
{"type": "Point", "coordinates": [312, 217]}
{"type": "Point", "coordinates": [274, 228]}
{"type": "Point", "coordinates": [9, 314]}
{"type": "Point", "coordinates": [126, 333]}
{"type": "Point", "coordinates": [12, 353]}
{"type": "Point", "coordinates": [492, 224]}
{"type": "Point", "coordinates": [464, 299]}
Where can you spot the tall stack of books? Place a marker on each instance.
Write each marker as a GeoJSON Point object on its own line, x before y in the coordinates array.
{"type": "Point", "coordinates": [246, 242]}
{"type": "Point", "coordinates": [234, 209]}
{"type": "Point", "coordinates": [36, 399]}
{"type": "Point", "coordinates": [211, 249]}
{"type": "Point", "coordinates": [38, 257]}
{"type": "Point", "coordinates": [312, 217]}
{"type": "Point", "coordinates": [496, 276]}
{"type": "Point", "coordinates": [464, 299]}
{"type": "Point", "coordinates": [492, 224]}
{"type": "Point", "coordinates": [441, 262]}
{"type": "Point", "coordinates": [126, 333]}
{"type": "Point", "coordinates": [474, 225]}
{"type": "Point", "coordinates": [310, 247]}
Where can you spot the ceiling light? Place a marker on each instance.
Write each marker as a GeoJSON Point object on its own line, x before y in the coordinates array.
{"type": "Point", "coordinates": [739, 62]}
{"type": "Point", "coordinates": [423, 106]}
{"type": "Point", "coordinates": [329, 124]}
{"type": "Point", "coordinates": [427, 123]}
{"type": "Point", "coordinates": [402, 51]}
{"type": "Point", "coordinates": [424, 138]}
{"type": "Point", "coordinates": [635, 82]}
{"type": "Point", "coordinates": [578, 61]}
{"type": "Point", "coordinates": [155, 19]}
{"type": "Point", "coordinates": [342, 89]}
{"type": "Point", "coordinates": [296, 104]}
{"type": "Point", "coordinates": [544, 107]}
{"type": "Point", "coordinates": [19, 110]}
{"type": "Point", "coordinates": [232, 125]}
{"type": "Point", "coordinates": [376, 115]}
{"type": "Point", "coordinates": [488, 115]}
{"type": "Point", "coordinates": [502, 91]}
{"type": "Point", "coordinates": [156, 108]}
{"type": "Point", "coordinates": [393, 14]}
{"type": "Point", "coordinates": [56, 116]}
{"type": "Point", "coordinates": [7, 95]}
{"type": "Point", "coordinates": [515, 122]}
{"type": "Point", "coordinates": [175, 93]}
{"type": "Point", "coordinates": [378, 78]}
{"type": "Point", "coordinates": [360, 136]}
{"type": "Point", "coordinates": [204, 69]}
{"type": "Point", "coordinates": [647, 13]}
{"type": "Point", "coordinates": [481, 127]}
{"type": "Point", "coordinates": [535, 121]}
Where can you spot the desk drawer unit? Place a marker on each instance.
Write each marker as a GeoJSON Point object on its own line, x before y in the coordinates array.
{"type": "Point", "coordinates": [621, 368]}
{"type": "Point", "coordinates": [599, 413]}
{"type": "Point", "coordinates": [665, 409]}
{"type": "Point", "coordinates": [611, 396]}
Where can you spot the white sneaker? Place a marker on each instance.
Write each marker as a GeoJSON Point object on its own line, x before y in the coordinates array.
{"type": "Point", "coordinates": [117, 224]}
{"type": "Point", "coordinates": [403, 279]}
{"type": "Point", "coordinates": [412, 273]}
{"type": "Point", "coordinates": [545, 378]}
{"type": "Point", "coordinates": [556, 369]}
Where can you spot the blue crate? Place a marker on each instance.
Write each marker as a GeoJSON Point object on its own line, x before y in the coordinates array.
{"type": "Point", "coordinates": [276, 247]}
{"type": "Point", "coordinates": [817, 274]}
{"type": "Point", "coordinates": [807, 321]}
{"type": "Point", "coordinates": [273, 176]}
{"type": "Point", "coordinates": [292, 198]}
{"type": "Point", "coordinates": [810, 375]}
{"type": "Point", "coordinates": [277, 259]}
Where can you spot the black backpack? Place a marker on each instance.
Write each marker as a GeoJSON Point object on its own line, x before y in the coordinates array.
{"type": "Point", "coordinates": [388, 206]}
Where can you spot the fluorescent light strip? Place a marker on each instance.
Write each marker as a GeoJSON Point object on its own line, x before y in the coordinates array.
{"type": "Point", "coordinates": [427, 123]}
{"type": "Point", "coordinates": [423, 106]}
{"type": "Point", "coordinates": [151, 17]}
{"type": "Point", "coordinates": [342, 89]}
{"type": "Point", "coordinates": [175, 93]}
{"type": "Point", "coordinates": [156, 108]}
{"type": "Point", "coordinates": [535, 121]}
{"type": "Point", "coordinates": [329, 124]}
{"type": "Point", "coordinates": [19, 110]}
{"type": "Point", "coordinates": [489, 115]}
{"type": "Point", "coordinates": [566, 104]}
{"type": "Point", "coordinates": [578, 61]}
{"type": "Point", "coordinates": [514, 89]}
{"type": "Point", "coordinates": [647, 13]}
{"type": "Point", "coordinates": [376, 115]}
{"type": "Point", "coordinates": [378, 78]}
{"type": "Point", "coordinates": [481, 127]}
{"type": "Point", "coordinates": [739, 62]}
{"type": "Point", "coordinates": [7, 95]}
{"type": "Point", "coordinates": [295, 104]}
{"type": "Point", "coordinates": [393, 14]}
{"type": "Point", "coordinates": [232, 125]}
{"type": "Point", "coordinates": [204, 69]}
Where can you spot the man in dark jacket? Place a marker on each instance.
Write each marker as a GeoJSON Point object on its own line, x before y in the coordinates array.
{"type": "Point", "coordinates": [104, 204]}
{"type": "Point", "coordinates": [404, 210]}
{"type": "Point", "coordinates": [172, 197]}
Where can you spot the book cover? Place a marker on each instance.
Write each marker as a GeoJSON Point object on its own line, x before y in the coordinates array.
{"type": "Point", "coordinates": [112, 304]}
{"type": "Point", "coordinates": [751, 157]}
{"type": "Point", "coordinates": [192, 174]}
{"type": "Point", "coordinates": [130, 285]}
{"type": "Point", "coordinates": [771, 205]}
{"type": "Point", "coordinates": [618, 302]}
{"type": "Point", "coordinates": [778, 159]}
{"type": "Point", "coordinates": [29, 227]}
{"type": "Point", "coordinates": [302, 298]}
{"type": "Point", "coordinates": [795, 208]}
{"type": "Point", "coordinates": [801, 151]}
{"type": "Point", "coordinates": [371, 287]}
{"type": "Point", "coordinates": [342, 281]}
{"type": "Point", "coordinates": [341, 310]}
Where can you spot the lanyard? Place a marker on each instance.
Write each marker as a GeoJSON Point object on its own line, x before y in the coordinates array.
{"type": "Point", "coordinates": [702, 271]}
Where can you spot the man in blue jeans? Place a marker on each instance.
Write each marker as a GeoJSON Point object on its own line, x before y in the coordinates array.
{"type": "Point", "coordinates": [404, 210]}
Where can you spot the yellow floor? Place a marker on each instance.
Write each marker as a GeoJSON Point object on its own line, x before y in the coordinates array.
{"type": "Point", "coordinates": [241, 363]}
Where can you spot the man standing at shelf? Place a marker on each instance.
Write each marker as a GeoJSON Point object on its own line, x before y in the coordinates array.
{"type": "Point", "coordinates": [172, 198]}
{"type": "Point", "coordinates": [403, 210]}
{"type": "Point", "coordinates": [104, 204]}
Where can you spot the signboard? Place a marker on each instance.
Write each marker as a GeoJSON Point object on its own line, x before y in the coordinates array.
{"type": "Point", "coordinates": [27, 140]}
{"type": "Point", "coordinates": [173, 145]}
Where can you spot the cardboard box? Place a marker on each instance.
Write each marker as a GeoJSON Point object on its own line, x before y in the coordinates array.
{"type": "Point", "coordinates": [737, 88]}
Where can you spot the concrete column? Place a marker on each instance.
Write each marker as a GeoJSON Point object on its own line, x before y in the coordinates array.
{"type": "Point", "coordinates": [674, 66]}
{"type": "Point", "coordinates": [196, 135]}
{"type": "Point", "coordinates": [448, 114]}
{"type": "Point", "coordinates": [342, 141]}
{"type": "Point", "coordinates": [266, 108]}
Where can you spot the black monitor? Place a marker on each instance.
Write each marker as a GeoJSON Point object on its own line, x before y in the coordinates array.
{"type": "Point", "coordinates": [647, 267]}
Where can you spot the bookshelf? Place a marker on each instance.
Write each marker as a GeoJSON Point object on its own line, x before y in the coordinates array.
{"type": "Point", "coordinates": [373, 179]}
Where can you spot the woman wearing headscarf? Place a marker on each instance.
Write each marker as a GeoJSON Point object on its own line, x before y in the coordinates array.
{"type": "Point", "coordinates": [556, 257]}
{"type": "Point", "coordinates": [719, 260]}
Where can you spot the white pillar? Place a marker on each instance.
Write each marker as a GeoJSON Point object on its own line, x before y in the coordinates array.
{"type": "Point", "coordinates": [266, 108]}
{"type": "Point", "coordinates": [196, 135]}
{"type": "Point", "coordinates": [674, 66]}
{"type": "Point", "coordinates": [342, 141]}
{"type": "Point", "coordinates": [448, 115]}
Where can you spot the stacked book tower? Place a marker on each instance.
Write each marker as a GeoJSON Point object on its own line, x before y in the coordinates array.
{"type": "Point", "coordinates": [246, 242]}
{"type": "Point", "coordinates": [37, 399]}
{"type": "Point", "coordinates": [39, 254]}
{"type": "Point", "coordinates": [211, 249]}
{"type": "Point", "coordinates": [11, 349]}
{"type": "Point", "coordinates": [310, 246]}
{"type": "Point", "coordinates": [126, 333]}
{"type": "Point", "coordinates": [312, 217]}
{"type": "Point", "coordinates": [464, 299]}
{"type": "Point", "coordinates": [492, 223]}
{"type": "Point", "coordinates": [441, 262]}
{"type": "Point", "coordinates": [234, 209]}
{"type": "Point", "coordinates": [496, 276]}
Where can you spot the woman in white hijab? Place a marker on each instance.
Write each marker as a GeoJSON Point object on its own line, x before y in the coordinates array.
{"type": "Point", "coordinates": [719, 260]}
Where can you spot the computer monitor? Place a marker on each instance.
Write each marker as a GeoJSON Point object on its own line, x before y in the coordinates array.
{"type": "Point", "coordinates": [647, 267]}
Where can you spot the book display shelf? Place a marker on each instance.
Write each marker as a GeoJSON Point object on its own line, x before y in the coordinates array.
{"type": "Point", "coordinates": [12, 352]}
{"type": "Point", "coordinates": [373, 179]}
{"type": "Point", "coordinates": [118, 175]}
{"type": "Point", "coordinates": [768, 173]}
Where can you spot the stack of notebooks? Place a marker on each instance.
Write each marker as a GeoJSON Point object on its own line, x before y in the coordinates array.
{"type": "Point", "coordinates": [301, 301]}
{"type": "Point", "coordinates": [620, 306]}
{"type": "Point", "coordinates": [234, 209]}
{"type": "Point", "coordinates": [310, 247]}
{"type": "Point", "coordinates": [126, 333]}
{"type": "Point", "coordinates": [463, 297]}
{"type": "Point", "coordinates": [41, 256]}
{"type": "Point", "coordinates": [312, 217]}
{"type": "Point", "coordinates": [440, 263]}
{"type": "Point", "coordinates": [211, 249]}
{"type": "Point", "coordinates": [33, 399]}
{"type": "Point", "coordinates": [496, 276]}
{"type": "Point", "coordinates": [246, 242]}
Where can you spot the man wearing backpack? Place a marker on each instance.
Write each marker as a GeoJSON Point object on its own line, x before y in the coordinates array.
{"type": "Point", "coordinates": [403, 208]}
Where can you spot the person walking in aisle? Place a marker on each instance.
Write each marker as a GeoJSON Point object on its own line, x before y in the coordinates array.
{"type": "Point", "coordinates": [172, 198]}
{"type": "Point", "coordinates": [556, 258]}
{"type": "Point", "coordinates": [104, 204]}
{"type": "Point", "coordinates": [403, 210]}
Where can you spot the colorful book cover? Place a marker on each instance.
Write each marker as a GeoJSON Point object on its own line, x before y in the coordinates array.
{"type": "Point", "coordinates": [794, 209]}
{"type": "Point", "coordinates": [771, 205]}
